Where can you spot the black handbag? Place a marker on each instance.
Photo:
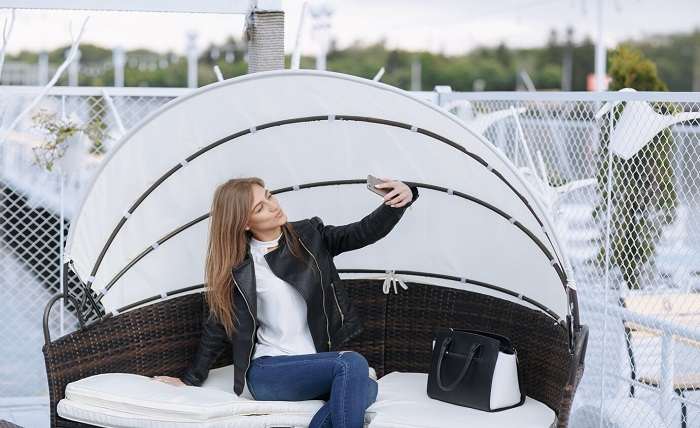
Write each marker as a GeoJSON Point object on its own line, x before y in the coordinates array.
{"type": "Point", "coordinates": [474, 369]}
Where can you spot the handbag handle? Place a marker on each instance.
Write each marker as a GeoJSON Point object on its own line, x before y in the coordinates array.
{"type": "Point", "coordinates": [470, 358]}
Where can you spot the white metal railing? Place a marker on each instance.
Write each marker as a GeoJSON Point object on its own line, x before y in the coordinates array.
{"type": "Point", "coordinates": [681, 97]}
{"type": "Point", "coordinates": [95, 91]}
{"type": "Point", "coordinates": [669, 333]}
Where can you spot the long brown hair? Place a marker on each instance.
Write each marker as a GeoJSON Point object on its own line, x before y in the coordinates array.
{"type": "Point", "coordinates": [228, 239]}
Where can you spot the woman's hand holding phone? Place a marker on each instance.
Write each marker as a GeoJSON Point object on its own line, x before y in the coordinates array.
{"type": "Point", "coordinates": [399, 193]}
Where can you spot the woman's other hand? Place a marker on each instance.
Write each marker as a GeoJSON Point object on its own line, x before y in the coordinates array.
{"type": "Point", "coordinates": [400, 194]}
{"type": "Point", "coordinates": [171, 380]}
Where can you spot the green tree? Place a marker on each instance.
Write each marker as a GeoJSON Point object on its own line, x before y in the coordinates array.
{"type": "Point", "coordinates": [676, 56]}
{"type": "Point", "coordinates": [642, 195]}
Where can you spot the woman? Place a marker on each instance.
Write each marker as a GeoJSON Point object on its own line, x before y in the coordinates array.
{"type": "Point", "coordinates": [276, 301]}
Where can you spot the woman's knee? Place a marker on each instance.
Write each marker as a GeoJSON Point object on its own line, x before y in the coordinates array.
{"type": "Point", "coordinates": [354, 361]}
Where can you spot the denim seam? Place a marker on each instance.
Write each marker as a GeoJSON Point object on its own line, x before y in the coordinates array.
{"type": "Point", "coordinates": [345, 390]}
{"type": "Point", "coordinates": [250, 388]}
{"type": "Point", "coordinates": [273, 364]}
{"type": "Point", "coordinates": [325, 418]}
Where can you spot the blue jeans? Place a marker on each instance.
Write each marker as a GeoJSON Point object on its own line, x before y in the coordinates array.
{"type": "Point", "coordinates": [341, 378]}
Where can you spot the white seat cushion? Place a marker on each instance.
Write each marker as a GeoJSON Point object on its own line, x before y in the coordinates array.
{"type": "Point", "coordinates": [102, 417]}
{"type": "Point", "coordinates": [132, 396]}
{"type": "Point", "coordinates": [403, 402]}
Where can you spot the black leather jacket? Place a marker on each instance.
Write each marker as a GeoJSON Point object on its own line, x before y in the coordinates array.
{"type": "Point", "coordinates": [331, 317]}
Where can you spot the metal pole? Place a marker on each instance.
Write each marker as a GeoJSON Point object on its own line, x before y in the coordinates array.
{"type": "Point", "coordinates": [321, 13]}
{"type": "Point", "coordinates": [696, 69]}
{"type": "Point", "coordinates": [567, 61]}
{"type": "Point", "coordinates": [296, 54]}
{"type": "Point", "coordinates": [666, 381]}
{"type": "Point", "coordinates": [192, 60]}
{"type": "Point", "coordinates": [607, 263]}
{"type": "Point", "coordinates": [115, 112]}
{"type": "Point", "coordinates": [321, 58]}
{"type": "Point", "coordinates": [74, 69]}
{"type": "Point", "coordinates": [119, 61]}
{"type": "Point", "coordinates": [600, 51]}
{"type": "Point", "coordinates": [43, 69]}
{"type": "Point", "coordinates": [416, 75]}
{"type": "Point", "coordinates": [60, 245]}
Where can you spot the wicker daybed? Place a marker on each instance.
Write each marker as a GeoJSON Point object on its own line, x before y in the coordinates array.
{"type": "Point", "coordinates": [162, 338]}
{"type": "Point", "coordinates": [476, 252]}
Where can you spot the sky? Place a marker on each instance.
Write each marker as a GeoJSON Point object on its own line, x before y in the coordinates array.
{"type": "Point", "coordinates": [448, 26]}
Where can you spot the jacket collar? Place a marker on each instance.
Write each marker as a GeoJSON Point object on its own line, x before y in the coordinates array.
{"type": "Point", "coordinates": [248, 259]}
{"type": "Point", "coordinates": [297, 225]}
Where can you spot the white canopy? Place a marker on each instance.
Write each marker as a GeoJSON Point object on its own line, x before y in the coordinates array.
{"type": "Point", "coordinates": [476, 226]}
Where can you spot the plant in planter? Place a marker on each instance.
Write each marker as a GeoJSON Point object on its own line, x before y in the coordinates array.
{"type": "Point", "coordinates": [65, 139]}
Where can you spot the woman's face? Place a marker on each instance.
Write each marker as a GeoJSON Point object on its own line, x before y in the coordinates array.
{"type": "Point", "coordinates": [266, 213]}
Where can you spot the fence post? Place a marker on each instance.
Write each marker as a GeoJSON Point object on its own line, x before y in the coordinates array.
{"type": "Point", "coordinates": [606, 284]}
{"type": "Point", "coordinates": [119, 60]}
{"type": "Point", "coordinates": [74, 69]}
{"type": "Point", "coordinates": [43, 68]}
{"type": "Point", "coordinates": [666, 375]}
{"type": "Point", "coordinates": [62, 272]}
{"type": "Point", "coordinates": [192, 55]}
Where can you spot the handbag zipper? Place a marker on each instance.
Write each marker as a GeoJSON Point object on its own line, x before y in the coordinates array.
{"type": "Point", "coordinates": [252, 336]}
{"type": "Point", "coordinates": [328, 333]}
{"type": "Point", "coordinates": [342, 318]}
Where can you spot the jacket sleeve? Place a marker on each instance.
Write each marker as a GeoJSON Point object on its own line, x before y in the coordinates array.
{"type": "Point", "coordinates": [212, 343]}
{"type": "Point", "coordinates": [370, 229]}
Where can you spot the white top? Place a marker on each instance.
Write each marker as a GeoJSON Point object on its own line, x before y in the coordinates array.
{"type": "Point", "coordinates": [283, 327]}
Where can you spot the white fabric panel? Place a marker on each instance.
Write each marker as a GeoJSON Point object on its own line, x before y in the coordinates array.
{"type": "Point", "coordinates": [505, 389]}
{"type": "Point", "coordinates": [176, 264]}
{"type": "Point", "coordinates": [301, 153]}
{"type": "Point", "coordinates": [440, 234]}
{"type": "Point", "coordinates": [478, 253]}
{"type": "Point", "coordinates": [403, 402]}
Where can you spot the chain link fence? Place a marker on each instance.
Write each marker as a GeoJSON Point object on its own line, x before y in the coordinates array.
{"type": "Point", "coordinates": [46, 162]}
{"type": "Point", "coordinates": [620, 176]}
{"type": "Point", "coordinates": [626, 207]}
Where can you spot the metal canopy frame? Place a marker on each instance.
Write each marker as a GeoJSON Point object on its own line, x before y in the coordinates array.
{"type": "Point", "coordinates": [569, 319]}
{"type": "Point", "coordinates": [436, 138]}
{"type": "Point", "coordinates": [554, 259]}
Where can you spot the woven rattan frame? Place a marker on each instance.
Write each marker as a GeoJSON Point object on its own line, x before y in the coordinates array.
{"type": "Point", "coordinates": [161, 339]}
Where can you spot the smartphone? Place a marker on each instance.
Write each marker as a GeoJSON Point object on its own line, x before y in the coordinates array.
{"type": "Point", "coordinates": [371, 181]}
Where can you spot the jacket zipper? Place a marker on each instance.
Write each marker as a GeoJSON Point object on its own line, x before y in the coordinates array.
{"type": "Point", "coordinates": [328, 333]}
{"type": "Point", "coordinates": [342, 318]}
{"type": "Point", "coordinates": [252, 336]}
